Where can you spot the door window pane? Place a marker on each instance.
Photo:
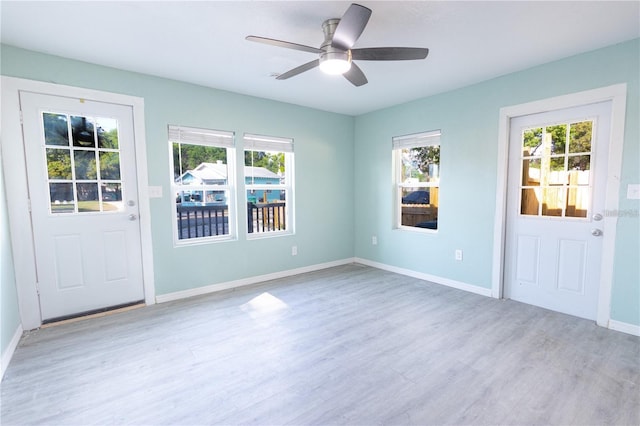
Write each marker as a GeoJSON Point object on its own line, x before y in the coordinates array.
{"type": "Point", "coordinates": [56, 129]}
{"type": "Point", "coordinates": [577, 201]}
{"type": "Point", "coordinates": [109, 165]}
{"type": "Point", "coordinates": [58, 164]}
{"type": "Point", "coordinates": [82, 129]}
{"type": "Point", "coordinates": [556, 159]}
{"type": "Point", "coordinates": [580, 137]}
{"type": "Point", "coordinates": [107, 130]}
{"type": "Point", "coordinates": [61, 198]}
{"type": "Point", "coordinates": [79, 166]}
{"type": "Point", "coordinates": [85, 164]}
{"type": "Point", "coordinates": [552, 201]}
{"type": "Point", "coordinates": [530, 202]}
{"type": "Point", "coordinates": [530, 172]}
{"type": "Point", "coordinates": [88, 197]}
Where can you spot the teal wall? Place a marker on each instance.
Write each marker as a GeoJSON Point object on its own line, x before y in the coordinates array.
{"type": "Point", "coordinates": [323, 163]}
{"type": "Point", "coordinates": [468, 118]}
{"type": "Point", "coordinates": [343, 173]}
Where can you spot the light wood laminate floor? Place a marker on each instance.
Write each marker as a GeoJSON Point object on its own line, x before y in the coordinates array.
{"type": "Point", "coordinates": [346, 345]}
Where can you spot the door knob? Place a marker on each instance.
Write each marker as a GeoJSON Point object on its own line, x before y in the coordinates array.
{"type": "Point", "coordinates": [132, 217]}
{"type": "Point", "coordinates": [597, 216]}
{"type": "Point", "coordinates": [596, 232]}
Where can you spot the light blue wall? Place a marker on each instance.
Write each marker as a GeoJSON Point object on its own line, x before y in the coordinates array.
{"type": "Point", "coordinates": [9, 314]}
{"type": "Point", "coordinates": [323, 141]}
{"type": "Point", "coordinates": [468, 119]}
{"type": "Point", "coordinates": [339, 211]}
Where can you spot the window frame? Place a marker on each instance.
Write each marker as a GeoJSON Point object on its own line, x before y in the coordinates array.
{"type": "Point", "coordinates": [262, 143]}
{"type": "Point", "coordinates": [210, 138]}
{"type": "Point", "coordinates": [398, 144]}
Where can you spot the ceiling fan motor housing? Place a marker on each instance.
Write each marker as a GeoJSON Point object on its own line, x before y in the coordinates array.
{"type": "Point", "coordinates": [333, 60]}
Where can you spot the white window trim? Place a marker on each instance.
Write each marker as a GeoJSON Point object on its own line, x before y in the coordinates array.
{"type": "Point", "coordinates": [205, 137]}
{"type": "Point", "coordinates": [253, 142]}
{"type": "Point", "coordinates": [398, 143]}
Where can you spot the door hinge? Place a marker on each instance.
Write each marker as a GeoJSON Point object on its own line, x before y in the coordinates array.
{"type": "Point", "coordinates": [29, 204]}
{"type": "Point", "coordinates": [21, 119]}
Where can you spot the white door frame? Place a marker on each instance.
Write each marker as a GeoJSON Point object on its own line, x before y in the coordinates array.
{"type": "Point", "coordinates": [617, 94]}
{"type": "Point", "coordinates": [17, 188]}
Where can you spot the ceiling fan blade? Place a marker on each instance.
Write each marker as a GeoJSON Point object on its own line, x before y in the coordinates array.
{"type": "Point", "coordinates": [389, 53]}
{"type": "Point", "coordinates": [355, 76]}
{"type": "Point", "coordinates": [299, 70]}
{"type": "Point", "coordinates": [351, 26]}
{"type": "Point", "coordinates": [286, 44]}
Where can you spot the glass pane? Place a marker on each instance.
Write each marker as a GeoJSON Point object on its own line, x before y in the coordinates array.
{"type": "Point", "coordinates": [530, 202]}
{"type": "Point", "coordinates": [112, 197]}
{"type": "Point", "coordinates": [215, 197]}
{"type": "Point", "coordinates": [421, 164]}
{"type": "Point", "coordinates": [56, 129]}
{"type": "Point", "coordinates": [82, 129]}
{"type": "Point", "coordinates": [580, 137]}
{"type": "Point", "coordinates": [266, 211]}
{"type": "Point", "coordinates": [531, 172]}
{"type": "Point", "coordinates": [556, 163]}
{"type": "Point", "coordinates": [419, 207]}
{"type": "Point", "coordinates": [577, 202]}
{"type": "Point", "coordinates": [557, 138]}
{"type": "Point", "coordinates": [580, 162]}
{"type": "Point", "coordinates": [58, 163]}
{"type": "Point", "coordinates": [531, 142]}
{"type": "Point", "coordinates": [61, 197]}
{"type": "Point", "coordinates": [196, 220]}
{"type": "Point", "coordinates": [416, 195]}
{"type": "Point", "coordinates": [88, 197]}
{"type": "Point", "coordinates": [109, 165]}
{"type": "Point", "coordinates": [107, 130]}
{"type": "Point", "coordinates": [199, 164]}
{"type": "Point", "coordinates": [552, 202]}
{"type": "Point", "coordinates": [264, 167]}
{"type": "Point", "coordinates": [85, 164]}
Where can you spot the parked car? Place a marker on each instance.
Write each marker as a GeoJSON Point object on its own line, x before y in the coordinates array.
{"type": "Point", "coordinates": [416, 197]}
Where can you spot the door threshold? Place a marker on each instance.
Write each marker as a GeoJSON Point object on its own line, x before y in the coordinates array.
{"type": "Point", "coordinates": [96, 313]}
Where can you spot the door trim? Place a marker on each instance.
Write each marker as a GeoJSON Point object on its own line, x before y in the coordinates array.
{"type": "Point", "coordinates": [17, 188]}
{"type": "Point", "coordinates": [617, 94]}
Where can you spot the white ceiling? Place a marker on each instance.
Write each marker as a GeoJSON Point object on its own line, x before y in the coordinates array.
{"type": "Point", "coordinates": [202, 42]}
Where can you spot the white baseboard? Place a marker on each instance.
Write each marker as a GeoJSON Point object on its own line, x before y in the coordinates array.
{"type": "Point", "coordinates": [248, 281]}
{"type": "Point", "coordinates": [624, 327]}
{"type": "Point", "coordinates": [8, 353]}
{"type": "Point", "coordinates": [427, 277]}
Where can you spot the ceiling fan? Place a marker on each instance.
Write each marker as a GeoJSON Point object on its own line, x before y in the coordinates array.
{"type": "Point", "coordinates": [336, 53]}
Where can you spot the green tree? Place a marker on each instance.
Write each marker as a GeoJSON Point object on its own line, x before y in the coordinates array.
{"type": "Point", "coordinates": [188, 157]}
{"type": "Point", "coordinates": [58, 163]}
{"type": "Point", "coordinates": [270, 161]}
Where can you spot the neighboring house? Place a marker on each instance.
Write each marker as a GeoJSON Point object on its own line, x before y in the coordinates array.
{"type": "Point", "coordinates": [216, 174]}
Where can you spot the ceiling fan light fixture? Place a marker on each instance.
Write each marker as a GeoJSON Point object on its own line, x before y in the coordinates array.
{"type": "Point", "coordinates": [336, 62]}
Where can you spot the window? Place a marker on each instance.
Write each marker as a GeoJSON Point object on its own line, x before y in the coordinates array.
{"type": "Point", "coordinates": [417, 179]}
{"type": "Point", "coordinates": [556, 170]}
{"type": "Point", "coordinates": [83, 164]}
{"type": "Point", "coordinates": [203, 182]}
{"type": "Point", "coordinates": [268, 173]}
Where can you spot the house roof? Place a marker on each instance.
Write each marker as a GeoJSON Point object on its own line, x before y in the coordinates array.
{"type": "Point", "coordinates": [468, 41]}
{"type": "Point", "coordinates": [218, 172]}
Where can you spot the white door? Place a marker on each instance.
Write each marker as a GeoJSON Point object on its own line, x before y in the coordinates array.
{"type": "Point", "coordinates": [555, 208]}
{"type": "Point", "coordinates": [82, 186]}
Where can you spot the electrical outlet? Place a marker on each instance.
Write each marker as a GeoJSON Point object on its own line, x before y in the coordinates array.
{"type": "Point", "coordinates": [294, 250]}
{"type": "Point", "coordinates": [458, 254]}
{"type": "Point", "coordinates": [374, 240]}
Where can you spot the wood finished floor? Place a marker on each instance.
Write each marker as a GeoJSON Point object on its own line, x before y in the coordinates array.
{"type": "Point", "coordinates": [346, 345]}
